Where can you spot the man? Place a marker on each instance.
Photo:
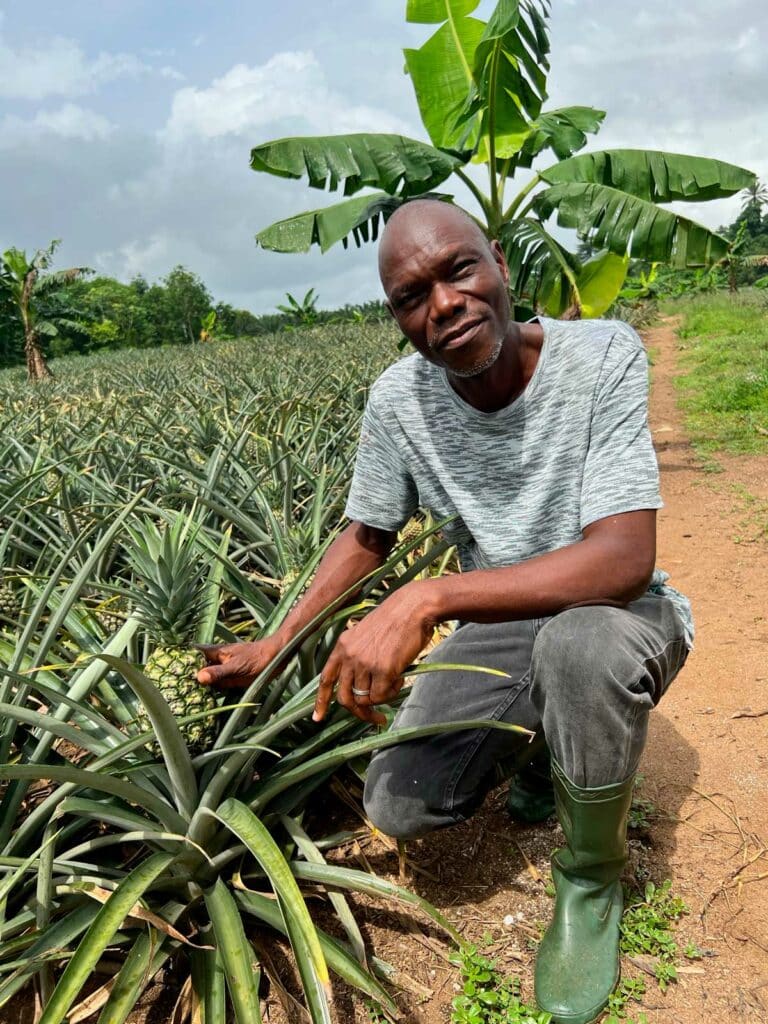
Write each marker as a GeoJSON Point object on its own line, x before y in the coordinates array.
{"type": "Point", "coordinates": [534, 437]}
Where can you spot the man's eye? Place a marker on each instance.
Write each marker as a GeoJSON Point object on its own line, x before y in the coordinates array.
{"type": "Point", "coordinates": [463, 268]}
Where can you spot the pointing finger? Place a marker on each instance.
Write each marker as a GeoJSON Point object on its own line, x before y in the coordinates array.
{"type": "Point", "coordinates": [325, 690]}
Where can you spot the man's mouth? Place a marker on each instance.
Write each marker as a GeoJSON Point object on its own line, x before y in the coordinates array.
{"type": "Point", "coordinates": [458, 335]}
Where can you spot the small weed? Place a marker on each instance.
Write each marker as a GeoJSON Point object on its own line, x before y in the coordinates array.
{"type": "Point", "coordinates": [375, 1016]}
{"type": "Point", "coordinates": [692, 952]}
{"type": "Point", "coordinates": [642, 812]}
{"type": "Point", "coordinates": [631, 990]}
{"type": "Point", "coordinates": [487, 996]}
{"type": "Point", "coordinates": [646, 924]}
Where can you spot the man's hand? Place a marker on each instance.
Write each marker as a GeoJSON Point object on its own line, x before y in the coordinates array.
{"type": "Point", "coordinates": [233, 665]}
{"type": "Point", "coordinates": [369, 659]}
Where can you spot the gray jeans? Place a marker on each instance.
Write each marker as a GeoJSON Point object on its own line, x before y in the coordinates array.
{"type": "Point", "coordinates": [585, 679]}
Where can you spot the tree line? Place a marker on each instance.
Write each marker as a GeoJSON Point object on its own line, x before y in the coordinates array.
{"type": "Point", "coordinates": [46, 313]}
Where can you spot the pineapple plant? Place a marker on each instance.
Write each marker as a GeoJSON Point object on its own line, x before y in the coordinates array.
{"type": "Point", "coordinates": [170, 597]}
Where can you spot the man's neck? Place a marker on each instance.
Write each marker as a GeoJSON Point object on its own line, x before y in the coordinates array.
{"type": "Point", "coordinates": [502, 383]}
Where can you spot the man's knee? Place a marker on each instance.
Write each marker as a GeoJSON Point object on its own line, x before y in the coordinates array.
{"type": "Point", "coordinates": [396, 803]}
{"type": "Point", "coordinates": [581, 644]}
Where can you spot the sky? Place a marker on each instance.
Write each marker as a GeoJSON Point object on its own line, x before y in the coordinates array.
{"type": "Point", "coordinates": [126, 125]}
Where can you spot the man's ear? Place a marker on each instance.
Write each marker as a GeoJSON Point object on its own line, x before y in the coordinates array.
{"type": "Point", "coordinates": [500, 259]}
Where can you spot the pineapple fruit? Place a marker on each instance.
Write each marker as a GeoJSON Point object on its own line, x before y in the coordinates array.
{"type": "Point", "coordinates": [169, 597]}
{"type": "Point", "coordinates": [111, 614]}
{"type": "Point", "coordinates": [10, 601]}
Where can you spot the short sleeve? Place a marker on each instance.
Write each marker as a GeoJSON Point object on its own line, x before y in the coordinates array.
{"type": "Point", "coordinates": [382, 493]}
{"type": "Point", "coordinates": [620, 472]}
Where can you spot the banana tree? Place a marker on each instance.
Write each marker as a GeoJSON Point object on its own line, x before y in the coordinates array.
{"type": "Point", "coordinates": [27, 289]}
{"type": "Point", "coordinates": [481, 90]}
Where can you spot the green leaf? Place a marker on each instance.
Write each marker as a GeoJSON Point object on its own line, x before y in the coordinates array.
{"type": "Point", "coordinates": [392, 163]}
{"type": "Point", "coordinates": [627, 225]}
{"type": "Point", "coordinates": [172, 745]}
{"type": "Point", "coordinates": [301, 930]}
{"type": "Point", "coordinates": [338, 958]}
{"type": "Point", "coordinates": [359, 217]}
{"type": "Point", "coordinates": [542, 273]}
{"type": "Point", "coordinates": [432, 12]}
{"type": "Point", "coordinates": [237, 954]}
{"type": "Point", "coordinates": [283, 780]}
{"type": "Point", "coordinates": [441, 71]}
{"type": "Point", "coordinates": [509, 72]}
{"type": "Point", "coordinates": [652, 175]}
{"type": "Point", "coordinates": [311, 853]}
{"type": "Point", "coordinates": [102, 783]}
{"type": "Point", "coordinates": [100, 934]}
{"type": "Point", "coordinates": [209, 980]}
{"type": "Point", "coordinates": [56, 937]}
{"type": "Point", "coordinates": [364, 881]}
{"type": "Point", "coordinates": [564, 131]}
{"type": "Point", "coordinates": [600, 282]}
{"type": "Point", "coordinates": [132, 977]}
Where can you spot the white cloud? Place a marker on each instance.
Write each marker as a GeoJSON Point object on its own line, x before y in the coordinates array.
{"type": "Point", "coordinates": [168, 72]}
{"type": "Point", "coordinates": [290, 87]}
{"type": "Point", "coordinates": [68, 122]}
{"type": "Point", "coordinates": [150, 258]}
{"type": "Point", "coordinates": [59, 67]}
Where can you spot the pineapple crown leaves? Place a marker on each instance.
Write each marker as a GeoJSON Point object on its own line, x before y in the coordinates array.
{"type": "Point", "coordinates": [170, 570]}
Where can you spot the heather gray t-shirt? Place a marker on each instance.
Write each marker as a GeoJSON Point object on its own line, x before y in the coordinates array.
{"type": "Point", "coordinates": [573, 448]}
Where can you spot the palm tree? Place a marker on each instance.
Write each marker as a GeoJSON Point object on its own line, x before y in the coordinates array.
{"type": "Point", "coordinates": [28, 291]}
{"type": "Point", "coordinates": [755, 194]}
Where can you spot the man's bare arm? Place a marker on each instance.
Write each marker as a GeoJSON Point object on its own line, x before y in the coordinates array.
{"type": "Point", "coordinates": [611, 565]}
{"type": "Point", "coordinates": [356, 552]}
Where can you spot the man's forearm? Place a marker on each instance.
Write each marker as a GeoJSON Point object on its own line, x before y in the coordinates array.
{"type": "Point", "coordinates": [597, 570]}
{"type": "Point", "coordinates": [356, 552]}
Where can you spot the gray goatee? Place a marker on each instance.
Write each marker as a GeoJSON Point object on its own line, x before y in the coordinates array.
{"type": "Point", "coordinates": [478, 368]}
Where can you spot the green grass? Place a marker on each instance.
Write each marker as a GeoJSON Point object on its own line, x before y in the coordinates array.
{"type": "Point", "coordinates": [724, 358]}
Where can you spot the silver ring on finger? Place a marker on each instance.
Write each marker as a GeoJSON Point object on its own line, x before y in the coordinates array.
{"type": "Point", "coordinates": [360, 693]}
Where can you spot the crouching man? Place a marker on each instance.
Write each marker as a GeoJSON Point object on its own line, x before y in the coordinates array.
{"type": "Point", "coordinates": [534, 438]}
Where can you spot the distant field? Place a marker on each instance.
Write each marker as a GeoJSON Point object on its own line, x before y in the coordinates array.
{"type": "Point", "coordinates": [724, 389]}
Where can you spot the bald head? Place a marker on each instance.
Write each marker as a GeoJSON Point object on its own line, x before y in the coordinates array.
{"type": "Point", "coordinates": [421, 219]}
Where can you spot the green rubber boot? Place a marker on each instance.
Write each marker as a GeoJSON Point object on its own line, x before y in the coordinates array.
{"type": "Point", "coordinates": [531, 797]}
{"type": "Point", "coordinates": [577, 966]}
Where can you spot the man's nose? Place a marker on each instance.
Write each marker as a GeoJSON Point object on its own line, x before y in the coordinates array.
{"type": "Point", "coordinates": [446, 301]}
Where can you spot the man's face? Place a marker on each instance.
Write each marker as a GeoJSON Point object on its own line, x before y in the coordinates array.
{"type": "Point", "coordinates": [446, 286]}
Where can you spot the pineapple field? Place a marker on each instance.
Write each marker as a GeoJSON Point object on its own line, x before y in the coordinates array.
{"type": "Point", "coordinates": [151, 502]}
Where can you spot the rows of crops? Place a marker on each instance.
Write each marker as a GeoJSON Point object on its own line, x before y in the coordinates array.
{"type": "Point", "coordinates": [149, 501]}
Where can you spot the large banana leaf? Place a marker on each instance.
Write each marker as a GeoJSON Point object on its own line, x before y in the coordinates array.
{"type": "Point", "coordinates": [389, 162]}
{"type": "Point", "coordinates": [599, 282]}
{"type": "Point", "coordinates": [627, 225]}
{"type": "Point", "coordinates": [652, 175]}
{"type": "Point", "coordinates": [441, 69]}
{"type": "Point", "coordinates": [542, 274]}
{"type": "Point", "coordinates": [359, 217]}
{"type": "Point", "coordinates": [509, 71]}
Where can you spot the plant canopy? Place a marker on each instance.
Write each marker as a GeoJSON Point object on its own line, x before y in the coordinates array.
{"type": "Point", "coordinates": [481, 89]}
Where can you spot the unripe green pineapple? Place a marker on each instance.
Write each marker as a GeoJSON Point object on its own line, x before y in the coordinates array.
{"type": "Point", "coordinates": [170, 599]}
{"type": "Point", "coordinates": [174, 670]}
{"type": "Point", "coordinates": [111, 615]}
{"type": "Point", "coordinates": [10, 602]}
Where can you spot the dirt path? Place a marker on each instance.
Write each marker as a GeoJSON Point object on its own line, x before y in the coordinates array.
{"type": "Point", "coordinates": [706, 771]}
{"type": "Point", "coordinates": [705, 768]}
